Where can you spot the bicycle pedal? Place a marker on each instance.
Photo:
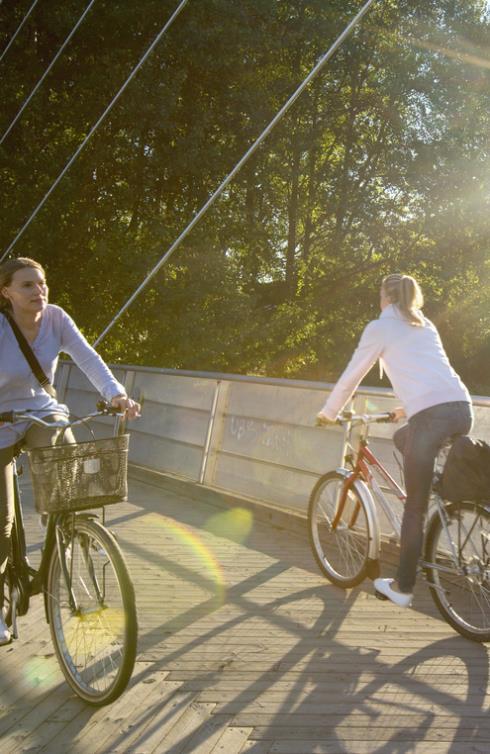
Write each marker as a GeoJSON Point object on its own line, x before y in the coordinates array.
{"type": "Point", "coordinates": [35, 585]}
{"type": "Point", "coordinates": [380, 596]}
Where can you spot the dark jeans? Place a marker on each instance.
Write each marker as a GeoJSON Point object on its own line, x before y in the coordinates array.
{"type": "Point", "coordinates": [34, 437]}
{"type": "Point", "coordinates": [419, 441]}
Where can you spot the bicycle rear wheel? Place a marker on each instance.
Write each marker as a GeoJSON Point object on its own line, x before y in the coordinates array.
{"type": "Point", "coordinates": [95, 643]}
{"type": "Point", "coordinates": [341, 548]}
{"type": "Point", "coordinates": [460, 586]}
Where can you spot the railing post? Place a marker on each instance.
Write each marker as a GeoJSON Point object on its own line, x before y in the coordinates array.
{"type": "Point", "coordinates": [128, 382]}
{"type": "Point", "coordinates": [214, 434]}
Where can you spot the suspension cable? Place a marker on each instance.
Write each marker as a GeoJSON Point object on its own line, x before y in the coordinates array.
{"type": "Point", "coordinates": [31, 95]}
{"type": "Point", "coordinates": [72, 159]}
{"type": "Point", "coordinates": [319, 65]}
{"type": "Point", "coordinates": [18, 29]}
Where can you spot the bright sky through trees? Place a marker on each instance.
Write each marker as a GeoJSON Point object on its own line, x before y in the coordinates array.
{"type": "Point", "coordinates": [382, 165]}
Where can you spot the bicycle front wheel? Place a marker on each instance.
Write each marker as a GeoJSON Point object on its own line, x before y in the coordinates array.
{"type": "Point", "coordinates": [94, 634]}
{"type": "Point", "coordinates": [338, 528]}
{"type": "Point", "coordinates": [458, 568]}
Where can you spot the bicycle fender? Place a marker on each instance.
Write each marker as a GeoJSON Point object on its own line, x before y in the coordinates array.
{"type": "Point", "coordinates": [371, 513]}
{"type": "Point", "coordinates": [88, 516]}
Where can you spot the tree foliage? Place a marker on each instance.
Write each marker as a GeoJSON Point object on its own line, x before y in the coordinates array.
{"type": "Point", "coordinates": [380, 166]}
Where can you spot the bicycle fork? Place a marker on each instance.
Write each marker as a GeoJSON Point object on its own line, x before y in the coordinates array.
{"type": "Point", "coordinates": [62, 548]}
{"type": "Point", "coordinates": [373, 534]}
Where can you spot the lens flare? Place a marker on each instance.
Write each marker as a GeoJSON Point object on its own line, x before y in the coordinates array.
{"type": "Point", "coordinates": [192, 544]}
{"type": "Point", "coordinates": [43, 672]}
{"type": "Point", "coordinates": [235, 524]}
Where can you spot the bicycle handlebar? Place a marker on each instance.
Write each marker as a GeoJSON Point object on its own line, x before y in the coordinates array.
{"type": "Point", "coordinates": [103, 409]}
{"type": "Point", "coordinates": [348, 417]}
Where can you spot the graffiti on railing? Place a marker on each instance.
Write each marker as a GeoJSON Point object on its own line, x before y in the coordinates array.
{"type": "Point", "coordinates": [276, 437]}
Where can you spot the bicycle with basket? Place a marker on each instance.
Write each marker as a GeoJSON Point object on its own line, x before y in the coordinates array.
{"type": "Point", "coordinates": [88, 594]}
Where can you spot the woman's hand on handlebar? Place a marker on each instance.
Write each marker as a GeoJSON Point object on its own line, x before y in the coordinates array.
{"type": "Point", "coordinates": [397, 414]}
{"type": "Point", "coordinates": [323, 421]}
{"type": "Point", "coordinates": [126, 406]}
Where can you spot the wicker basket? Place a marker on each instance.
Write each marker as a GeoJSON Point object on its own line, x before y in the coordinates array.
{"type": "Point", "coordinates": [78, 476]}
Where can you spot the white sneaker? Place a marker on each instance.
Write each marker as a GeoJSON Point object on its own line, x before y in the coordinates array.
{"type": "Point", "coordinates": [4, 632]}
{"type": "Point", "coordinates": [384, 589]}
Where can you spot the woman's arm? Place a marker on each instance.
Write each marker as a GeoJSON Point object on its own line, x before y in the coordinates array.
{"type": "Point", "coordinates": [366, 354]}
{"type": "Point", "coordinates": [88, 360]}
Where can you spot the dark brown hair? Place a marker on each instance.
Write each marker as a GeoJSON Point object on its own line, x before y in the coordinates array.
{"type": "Point", "coordinates": [8, 270]}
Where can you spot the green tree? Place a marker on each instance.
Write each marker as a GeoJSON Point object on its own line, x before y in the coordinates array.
{"type": "Point", "coordinates": [381, 165]}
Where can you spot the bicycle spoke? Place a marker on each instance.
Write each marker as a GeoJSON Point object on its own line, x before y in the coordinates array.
{"type": "Point", "coordinates": [339, 536]}
{"type": "Point", "coordinates": [462, 585]}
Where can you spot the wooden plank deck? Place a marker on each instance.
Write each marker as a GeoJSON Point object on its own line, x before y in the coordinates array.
{"type": "Point", "coordinates": [243, 647]}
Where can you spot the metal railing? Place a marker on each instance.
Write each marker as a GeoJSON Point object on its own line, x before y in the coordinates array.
{"type": "Point", "coordinates": [249, 436]}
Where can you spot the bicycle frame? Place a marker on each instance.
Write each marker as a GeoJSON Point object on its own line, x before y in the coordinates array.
{"type": "Point", "coordinates": [85, 584]}
{"type": "Point", "coordinates": [21, 572]}
{"type": "Point", "coordinates": [365, 468]}
{"type": "Point", "coordinates": [28, 581]}
{"type": "Point", "coordinates": [363, 465]}
{"type": "Point", "coordinates": [368, 468]}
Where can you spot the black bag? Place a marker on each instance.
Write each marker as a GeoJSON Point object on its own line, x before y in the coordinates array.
{"type": "Point", "coordinates": [466, 474]}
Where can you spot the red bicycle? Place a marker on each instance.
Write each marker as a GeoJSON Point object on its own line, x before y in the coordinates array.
{"type": "Point", "coordinates": [345, 532]}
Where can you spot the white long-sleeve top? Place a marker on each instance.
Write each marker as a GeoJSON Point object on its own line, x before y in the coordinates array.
{"type": "Point", "coordinates": [412, 356]}
{"type": "Point", "coordinates": [20, 389]}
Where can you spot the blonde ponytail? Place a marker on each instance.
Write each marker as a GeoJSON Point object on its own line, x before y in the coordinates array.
{"type": "Point", "coordinates": [405, 293]}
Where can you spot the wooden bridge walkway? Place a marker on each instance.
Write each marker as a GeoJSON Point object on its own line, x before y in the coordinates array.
{"type": "Point", "coordinates": [243, 647]}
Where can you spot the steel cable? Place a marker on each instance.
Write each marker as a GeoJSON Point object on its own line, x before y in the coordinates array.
{"type": "Point", "coordinates": [72, 159]}
{"type": "Point", "coordinates": [18, 29]}
{"type": "Point", "coordinates": [319, 65]}
{"type": "Point", "coordinates": [48, 69]}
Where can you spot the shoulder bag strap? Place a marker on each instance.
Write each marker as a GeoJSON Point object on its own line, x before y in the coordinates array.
{"type": "Point", "coordinates": [30, 356]}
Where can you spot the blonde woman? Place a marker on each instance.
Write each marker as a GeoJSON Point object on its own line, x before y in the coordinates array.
{"type": "Point", "coordinates": [434, 401]}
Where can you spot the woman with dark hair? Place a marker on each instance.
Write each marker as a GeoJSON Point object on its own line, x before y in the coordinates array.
{"type": "Point", "coordinates": [434, 400]}
{"type": "Point", "coordinates": [48, 331]}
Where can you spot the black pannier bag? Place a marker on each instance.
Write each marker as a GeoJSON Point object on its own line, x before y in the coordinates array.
{"type": "Point", "coordinates": [466, 474]}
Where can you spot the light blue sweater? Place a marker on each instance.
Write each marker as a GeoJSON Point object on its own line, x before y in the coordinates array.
{"type": "Point", "coordinates": [414, 359]}
{"type": "Point", "coordinates": [19, 388]}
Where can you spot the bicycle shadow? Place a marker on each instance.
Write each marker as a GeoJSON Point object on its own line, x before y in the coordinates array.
{"type": "Point", "coordinates": [477, 658]}
{"type": "Point", "coordinates": [410, 691]}
{"type": "Point", "coordinates": [312, 663]}
{"type": "Point", "coordinates": [299, 556]}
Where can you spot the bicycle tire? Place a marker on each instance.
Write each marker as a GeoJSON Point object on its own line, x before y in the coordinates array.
{"type": "Point", "coordinates": [96, 645]}
{"type": "Point", "coordinates": [461, 591]}
{"type": "Point", "coordinates": [342, 554]}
